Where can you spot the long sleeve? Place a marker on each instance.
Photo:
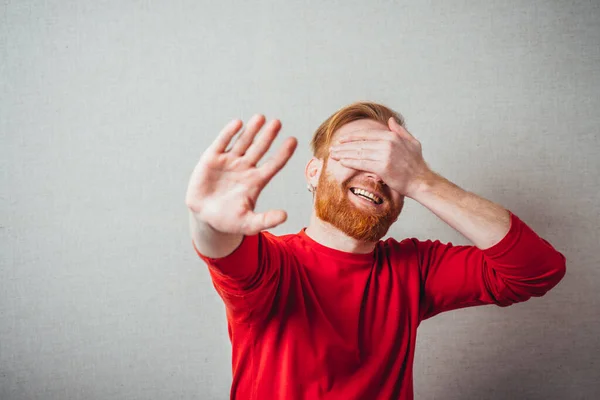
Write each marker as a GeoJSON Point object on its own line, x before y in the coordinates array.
{"type": "Point", "coordinates": [518, 267]}
{"type": "Point", "coordinates": [247, 279]}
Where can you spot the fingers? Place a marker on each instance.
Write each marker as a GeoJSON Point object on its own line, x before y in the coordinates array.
{"type": "Point", "coordinates": [356, 154]}
{"type": "Point", "coordinates": [366, 135]}
{"type": "Point", "coordinates": [224, 137]}
{"type": "Point", "coordinates": [260, 221]}
{"type": "Point", "coordinates": [260, 146]}
{"type": "Point", "coordinates": [245, 139]}
{"type": "Point", "coordinates": [278, 161]}
{"type": "Point", "coordinates": [360, 165]}
{"type": "Point", "coordinates": [368, 148]}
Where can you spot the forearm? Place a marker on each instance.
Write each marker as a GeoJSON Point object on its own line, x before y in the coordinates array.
{"type": "Point", "coordinates": [212, 243]}
{"type": "Point", "coordinates": [481, 221]}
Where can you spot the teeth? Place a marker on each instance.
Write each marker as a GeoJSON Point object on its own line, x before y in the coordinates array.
{"type": "Point", "coordinates": [367, 194]}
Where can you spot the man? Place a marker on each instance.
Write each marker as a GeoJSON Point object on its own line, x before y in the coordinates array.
{"type": "Point", "coordinates": [332, 311]}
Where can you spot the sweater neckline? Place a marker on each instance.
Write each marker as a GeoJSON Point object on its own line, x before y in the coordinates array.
{"type": "Point", "coordinates": [338, 254]}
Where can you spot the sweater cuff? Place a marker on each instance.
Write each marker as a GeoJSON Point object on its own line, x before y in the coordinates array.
{"type": "Point", "coordinates": [508, 241]}
{"type": "Point", "coordinates": [237, 262]}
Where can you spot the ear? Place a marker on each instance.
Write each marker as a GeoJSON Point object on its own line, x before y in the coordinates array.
{"type": "Point", "coordinates": [313, 171]}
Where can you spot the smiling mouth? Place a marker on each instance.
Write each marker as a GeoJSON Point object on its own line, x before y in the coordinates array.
{"type": "Point", "coordinates": [365, 194]}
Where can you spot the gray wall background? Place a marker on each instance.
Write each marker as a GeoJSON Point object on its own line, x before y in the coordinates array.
{"type": "Point", "coordinates": [106, 106]}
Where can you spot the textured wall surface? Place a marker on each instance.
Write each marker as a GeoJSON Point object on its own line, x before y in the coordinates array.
{"type": "Point", "coordinates": [106, 106]}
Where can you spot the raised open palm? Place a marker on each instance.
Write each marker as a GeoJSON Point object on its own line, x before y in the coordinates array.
{"type": "Point", "coordinates": [225, 184]}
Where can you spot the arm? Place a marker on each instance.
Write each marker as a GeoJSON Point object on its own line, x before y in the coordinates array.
{"type": "Point", "coordinates": [244, 262]}
{"type": "Point", "coordinates": [225, 184]}
{"type": "Point", "coordinates": [210, 242]}
{"type": "Point", "coordinates": [249, 278]}
{"type": "Point", "coordinates": [519, 266]}
{"type": "Point", "coordinates": [509, 264]}
{"type": "Point", "coordinates": [481, 221]}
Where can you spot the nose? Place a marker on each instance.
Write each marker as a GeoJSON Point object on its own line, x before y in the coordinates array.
{"type": "Point", "coordinates": [375, 178]}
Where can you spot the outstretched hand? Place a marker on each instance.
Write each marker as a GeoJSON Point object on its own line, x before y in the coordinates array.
{"type": "Point", "coordinates": [225, 184]}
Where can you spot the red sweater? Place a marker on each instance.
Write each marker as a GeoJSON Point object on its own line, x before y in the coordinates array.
{"type": "Point", "coordinates": [310, 322]}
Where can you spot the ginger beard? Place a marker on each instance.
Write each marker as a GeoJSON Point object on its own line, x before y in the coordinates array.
{"type": "Point", "coordinates": [332, 205]}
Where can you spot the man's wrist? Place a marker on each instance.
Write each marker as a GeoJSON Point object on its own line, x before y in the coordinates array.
{"type": "Point", "coordinates": [424, 184]}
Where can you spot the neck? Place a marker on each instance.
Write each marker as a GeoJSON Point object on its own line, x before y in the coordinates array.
{"type": "Point", "coordinates": [328, 235]}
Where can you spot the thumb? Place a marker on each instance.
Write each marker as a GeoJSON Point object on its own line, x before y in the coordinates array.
{"type": "Point", "coordinates": [257, 222]}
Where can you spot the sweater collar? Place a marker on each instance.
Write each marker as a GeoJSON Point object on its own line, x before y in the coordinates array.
{"type": "Point", "coordinates": [338, 254]}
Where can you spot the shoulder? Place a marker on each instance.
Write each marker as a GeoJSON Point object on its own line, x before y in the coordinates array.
{"type": "Point", "coordinates": [288, 238]}
{"type": "Point", "coordinates": [283, 242]}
